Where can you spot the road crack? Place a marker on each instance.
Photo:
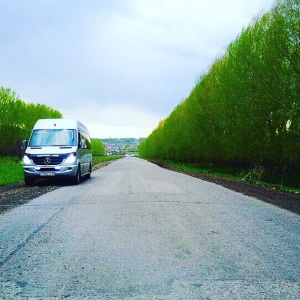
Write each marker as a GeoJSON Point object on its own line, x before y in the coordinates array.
{"type": "Point", "coordinates": [29, 238]}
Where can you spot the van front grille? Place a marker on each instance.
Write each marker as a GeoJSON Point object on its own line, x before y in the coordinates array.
{"type": "Point", "coordinates": [47, 160]}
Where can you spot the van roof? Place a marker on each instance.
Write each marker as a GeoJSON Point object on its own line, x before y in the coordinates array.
{"type": "Point", "coordinates": [57, 123]}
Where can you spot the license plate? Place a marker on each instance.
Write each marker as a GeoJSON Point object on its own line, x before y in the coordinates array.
{"type": "Point", "coordinates": [47, 174]}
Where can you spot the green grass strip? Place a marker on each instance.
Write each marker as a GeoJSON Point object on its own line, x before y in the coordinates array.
{"type": "Point", "coordinates": [11, 170]}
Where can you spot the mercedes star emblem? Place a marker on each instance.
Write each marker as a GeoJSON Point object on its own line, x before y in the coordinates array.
{"type": "Point", "coordinates": [47, 161]}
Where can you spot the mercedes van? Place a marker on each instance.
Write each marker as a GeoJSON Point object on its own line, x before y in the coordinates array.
{"type": "Point", "coordinates": [57, 148]}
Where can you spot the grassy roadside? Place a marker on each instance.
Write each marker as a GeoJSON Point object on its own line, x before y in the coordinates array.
{"type": "Point", "coordinates": [11, 169]}
{"type": "Point", "coordinates": [255, 176]}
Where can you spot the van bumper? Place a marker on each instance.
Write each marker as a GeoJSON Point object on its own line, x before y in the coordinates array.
{"type": "Point", "coordinates": [36, 172]}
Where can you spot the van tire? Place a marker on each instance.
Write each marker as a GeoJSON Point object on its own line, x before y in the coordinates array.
{"type": "Point", "coordinates": [77, 178]}
{"type": "Point", "coordinates": [28, 181]}
{"type": "Point", "coordinates": [89, 173]}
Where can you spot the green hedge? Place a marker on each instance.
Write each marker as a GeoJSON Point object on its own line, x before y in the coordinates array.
{"type": "Point", "coordinates": [98, 147]}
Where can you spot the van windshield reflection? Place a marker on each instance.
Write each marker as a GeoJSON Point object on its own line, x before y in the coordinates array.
{"type": "Point", "coordinates": [53, 137]}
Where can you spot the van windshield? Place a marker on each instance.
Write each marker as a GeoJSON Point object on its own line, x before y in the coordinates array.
{"type": "Point", "coordinates": [53, 137]}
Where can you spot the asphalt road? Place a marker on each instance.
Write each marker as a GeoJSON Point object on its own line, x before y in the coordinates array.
{"type": "Point", "coordinates": [137, 231]}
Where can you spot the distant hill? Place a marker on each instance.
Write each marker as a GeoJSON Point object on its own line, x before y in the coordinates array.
{"type": "Point", "coordinates": [122, 146]}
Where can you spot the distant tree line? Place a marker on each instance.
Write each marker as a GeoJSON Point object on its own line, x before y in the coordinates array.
{"type": "Point", "coordinates": [245, 111]}
{"type": "Point", "coordinates": [17, 119]}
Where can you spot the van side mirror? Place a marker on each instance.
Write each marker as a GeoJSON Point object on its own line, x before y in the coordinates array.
{"type": "Point", "coordinates": [82, 143]}
{"type": "Point", "coordinates": [24, 144]}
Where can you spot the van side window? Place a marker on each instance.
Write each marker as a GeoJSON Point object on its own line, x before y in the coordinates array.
{"type": "Point", "coordinates": [84, 135]}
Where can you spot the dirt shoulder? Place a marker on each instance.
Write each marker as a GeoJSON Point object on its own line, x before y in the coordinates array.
{"type": "Point", "coordinates": [287, 200]}
{"type": "Point", "coordinates": [16, 194]}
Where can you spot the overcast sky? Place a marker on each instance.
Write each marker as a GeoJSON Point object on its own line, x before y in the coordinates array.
{"type": "Point", "coordinates": [118, 66]}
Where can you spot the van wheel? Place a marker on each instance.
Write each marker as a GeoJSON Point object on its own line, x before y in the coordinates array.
{"type": "Point", "coordinates": [28, 181]}
{"type": "Point", "coordinates": [77, 178]}
{"type": "Point", "coordinates": [88, 175]}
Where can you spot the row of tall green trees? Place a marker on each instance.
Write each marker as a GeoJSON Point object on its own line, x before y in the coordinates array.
{"type": "Point", "coordinates": [245, 110]}
{"type": "Point", "coordinates": [17, 120]}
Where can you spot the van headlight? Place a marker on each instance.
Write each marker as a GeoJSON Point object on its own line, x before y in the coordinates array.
{"type": "Point", "coordinates": [26, 160]}
{"type": "Point", "coordinates": [71, 159]}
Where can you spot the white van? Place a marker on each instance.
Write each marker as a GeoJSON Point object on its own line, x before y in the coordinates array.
{"type": "Point", "coordinates": [57, 148]}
